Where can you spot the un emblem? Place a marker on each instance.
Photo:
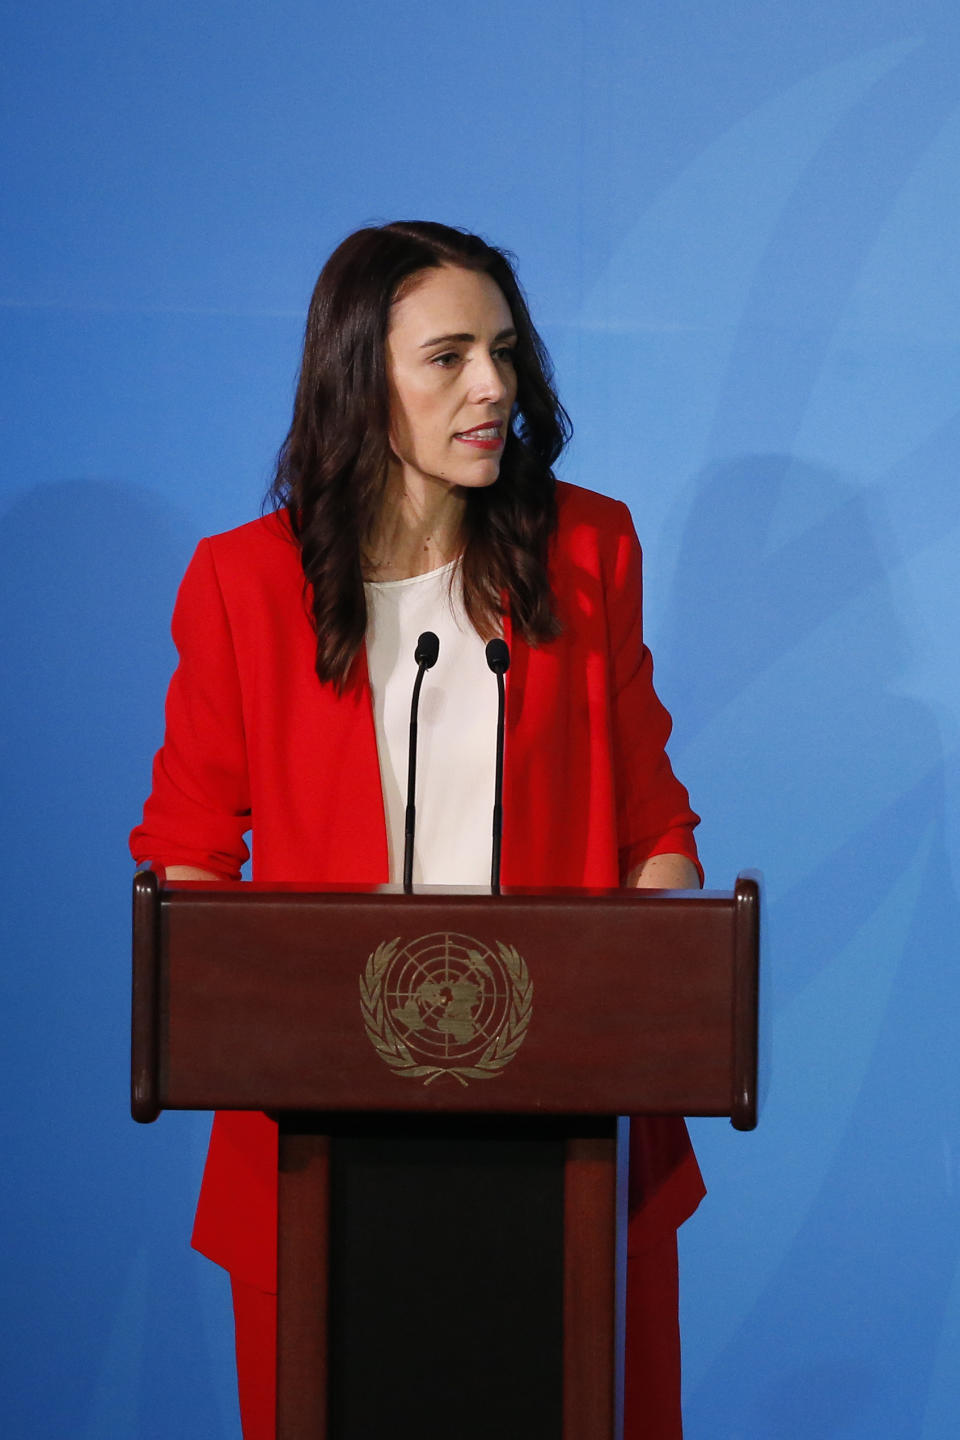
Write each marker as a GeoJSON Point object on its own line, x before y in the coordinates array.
{"type": "Point", "coordinates": [446, 1004]}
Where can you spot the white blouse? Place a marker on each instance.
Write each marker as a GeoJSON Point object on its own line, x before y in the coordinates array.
{"type": "Point", "coordinates": [456, 749]}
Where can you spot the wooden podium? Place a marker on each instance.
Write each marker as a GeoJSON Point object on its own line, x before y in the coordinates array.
{"type": "Point", "coordinates": [447, 1068]}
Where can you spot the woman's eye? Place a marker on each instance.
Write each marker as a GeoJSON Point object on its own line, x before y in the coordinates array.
{"type": "Point", "coordinates": [448, 358]}
{"type": "Point", "coordinates": [507, 353]}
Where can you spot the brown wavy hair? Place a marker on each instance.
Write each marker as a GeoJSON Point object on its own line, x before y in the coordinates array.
{"type": "Point", "coordinates": [332, 467]}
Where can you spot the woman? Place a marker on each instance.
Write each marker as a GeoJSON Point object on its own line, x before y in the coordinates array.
{"type": "Point", "coordinates": [415, 491]}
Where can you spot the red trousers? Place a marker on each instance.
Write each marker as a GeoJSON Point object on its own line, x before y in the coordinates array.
{"type": "Point", "coordinates": [652, 1386]}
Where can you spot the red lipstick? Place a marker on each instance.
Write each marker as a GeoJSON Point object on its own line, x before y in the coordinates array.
{"type": "Point", "coordinates": [482, 437]}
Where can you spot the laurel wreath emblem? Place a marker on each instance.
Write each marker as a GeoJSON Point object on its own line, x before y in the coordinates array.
{"type": "Point", "coordinates": [393, 1050]}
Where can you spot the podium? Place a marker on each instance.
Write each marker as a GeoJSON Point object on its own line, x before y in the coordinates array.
{"type": "Point", "coordinates": [446, 1068]}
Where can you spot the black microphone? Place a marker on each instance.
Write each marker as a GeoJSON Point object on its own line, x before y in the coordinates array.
{"type": "Point", "coordinates": [425, 655]}
{"type": "Point", "coordinates": [498, 658]}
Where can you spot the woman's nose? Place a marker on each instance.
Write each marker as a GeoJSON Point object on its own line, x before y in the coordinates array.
{"type": "Point", "coordinates": [489, 383]}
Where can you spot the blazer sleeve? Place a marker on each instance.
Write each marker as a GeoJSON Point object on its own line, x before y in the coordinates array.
{"type": "Point", "coordinates": [653, 809]}
{"type": "Point", "coordinates": [199, 807]}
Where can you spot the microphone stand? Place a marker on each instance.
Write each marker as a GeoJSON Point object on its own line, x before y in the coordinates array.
{"type": "Point", "coordinates": [428, 648]}
{"type": "Point", "coordinates": [498, 659]}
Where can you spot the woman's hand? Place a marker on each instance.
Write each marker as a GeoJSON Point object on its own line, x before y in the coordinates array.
{"type": "Point", "coordinates": [188, 872]}
{"type": "Point", "coordinates": [663, 872]}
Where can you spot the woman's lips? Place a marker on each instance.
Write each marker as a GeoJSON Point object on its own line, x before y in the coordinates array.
{"type": "Point", "coordinates": [482, 437]}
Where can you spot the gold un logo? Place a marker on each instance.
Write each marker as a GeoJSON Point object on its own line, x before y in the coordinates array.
{"type": "Point", "coordinates": [446, 1004]}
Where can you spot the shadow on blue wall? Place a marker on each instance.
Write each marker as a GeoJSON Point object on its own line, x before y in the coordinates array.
{"type": "Point", "coordinates": [786, 646]}
{"type": "Point", "coordinates": [110, 1300]}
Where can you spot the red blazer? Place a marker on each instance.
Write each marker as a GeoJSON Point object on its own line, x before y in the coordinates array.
{"type": "Point", "coordinates": [253, 740]}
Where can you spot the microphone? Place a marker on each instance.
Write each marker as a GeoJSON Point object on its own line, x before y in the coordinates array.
{"type": "Point", "coordinates": [425, 655]}
{"type": "Point", "coordinates": [498, 659]}
{"type": "Point", "coordinates": [428, 648]}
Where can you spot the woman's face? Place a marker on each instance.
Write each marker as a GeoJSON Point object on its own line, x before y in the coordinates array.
{"type": "Point", "coordinates": [451, 377]}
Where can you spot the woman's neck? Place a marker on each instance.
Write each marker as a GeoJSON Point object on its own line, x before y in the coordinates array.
{"type": "Point", "coordinates": [419, 528]}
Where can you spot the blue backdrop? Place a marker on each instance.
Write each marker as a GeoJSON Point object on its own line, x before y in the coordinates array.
{"type": "Point", "coordinates": [737, 224]}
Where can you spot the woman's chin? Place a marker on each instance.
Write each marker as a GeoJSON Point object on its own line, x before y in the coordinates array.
{"type": "Point", "coordinates": [482, 477]}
